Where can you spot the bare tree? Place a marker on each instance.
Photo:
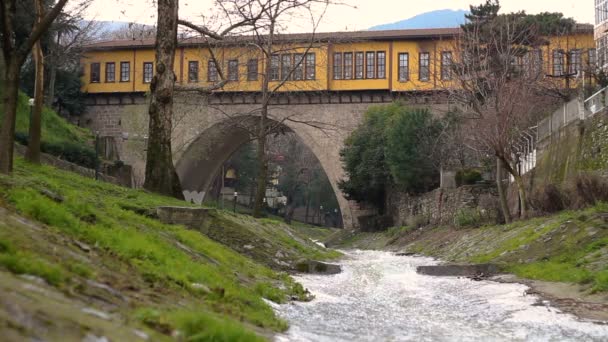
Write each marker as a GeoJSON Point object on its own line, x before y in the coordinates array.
{"type": "Point", "coordinates": [499, 80]}
{"type": "Point", "coordinates": [15, 52]}
{"type": "Point", "coordinates": [134, 31]}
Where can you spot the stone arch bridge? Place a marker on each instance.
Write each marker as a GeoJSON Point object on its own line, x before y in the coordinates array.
{"type": "Point", "coordinates": [209, 128]}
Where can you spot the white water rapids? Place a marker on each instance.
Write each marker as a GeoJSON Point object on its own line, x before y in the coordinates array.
{"type": "Point", "coordinates": [380, 297]}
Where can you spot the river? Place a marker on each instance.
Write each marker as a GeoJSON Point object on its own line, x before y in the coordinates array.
{"type": "Point", "coordinates": [380, 297]}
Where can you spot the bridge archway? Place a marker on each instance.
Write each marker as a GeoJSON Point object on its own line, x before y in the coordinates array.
{"type": "Point", "coordinates": [205, 155]}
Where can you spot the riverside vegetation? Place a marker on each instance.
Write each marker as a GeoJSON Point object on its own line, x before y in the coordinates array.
{"type": "Point", "coordinates": [82, 257]}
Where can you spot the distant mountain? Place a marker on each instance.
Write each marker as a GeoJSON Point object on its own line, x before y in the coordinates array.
{"type": "Point", "coordinates": [434, 19]}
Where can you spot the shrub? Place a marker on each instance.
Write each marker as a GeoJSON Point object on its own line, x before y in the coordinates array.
{"type": "Point", "coordinates": [468, 177]}
{"type": "Point", "coordinates": [587, 189]}
{"type": "Point", "coordinates": [548, 199]}
{"type": "Point", "coordinates": [76, 153]}
{"type": "Point", "coordinates": [467, 217]}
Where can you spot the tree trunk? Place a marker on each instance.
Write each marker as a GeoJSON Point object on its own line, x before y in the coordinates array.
{"type": "Point", "coordinates": [33, 146]}
{"type": "Point", "coordinates": [161, 176]}
{"type": "Point", "coordinates": [50, 96]}
{"type": "Point", "coordinates": [7, 132]}
{"type": "Point", "coordinates": [504, 205]}
{"type": "Point", "coordinates": [523, 198]}
{"type": "Point", "coordinates": [260, 191]}
{"type": "Point", "coordinates": [307, 205]}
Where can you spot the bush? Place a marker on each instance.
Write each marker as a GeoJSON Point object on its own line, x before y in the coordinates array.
{"type": "Point", "coordinates": [587, 189]}
{"type": "Point", "coordinates": [548, 199]}
{"type": "Point", "coordinates": [76, 153]}
{"type": "Point", "coordinates": [468, 177]}
{"type": "Point", "coordinates": [467, 217]}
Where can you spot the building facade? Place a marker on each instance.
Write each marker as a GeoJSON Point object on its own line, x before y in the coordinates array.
{"type": "Point", "coordinates": [397, 61]}
{"type": "Point", "coordinates": [601, 32]}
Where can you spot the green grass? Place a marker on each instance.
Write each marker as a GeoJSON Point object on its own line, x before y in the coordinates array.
{"type": "Point", "coordinates": [55, 129]}
{"type": "Point", "coordinates": [165, 257]}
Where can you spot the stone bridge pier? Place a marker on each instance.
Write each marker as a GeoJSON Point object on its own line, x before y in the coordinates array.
{"type": "Point", "coordinates": [209, 129]}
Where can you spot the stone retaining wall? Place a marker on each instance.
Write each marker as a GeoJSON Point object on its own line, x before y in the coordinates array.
{"type": "Point", "coordinates": [442, 205]}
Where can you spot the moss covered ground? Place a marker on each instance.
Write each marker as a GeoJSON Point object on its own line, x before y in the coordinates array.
{"type": "Point", "coordinates": [91, 248]}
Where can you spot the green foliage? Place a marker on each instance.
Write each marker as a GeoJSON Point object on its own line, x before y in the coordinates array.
{"type": "Point", "coordinates": [411, 137]}
{"type": "Point", "coordinates": [468, 217]}
{"type": "Point", "coordinates": [393, 146]}
{"type": "Point", "coordinates": [73, 152]}
{"type": "Point", "coordinates": [468, 177]}
{"type": "Point", "coordinates": [398, 231]}
{"type": "Point", "coordinates": [553, 271]}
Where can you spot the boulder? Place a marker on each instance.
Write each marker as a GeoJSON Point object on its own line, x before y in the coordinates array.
{"type": "Point", "coordinates": [311, 266]}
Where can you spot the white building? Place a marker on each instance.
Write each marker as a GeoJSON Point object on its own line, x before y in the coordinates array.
{"type": "Point", "coordinates": [601, 31]}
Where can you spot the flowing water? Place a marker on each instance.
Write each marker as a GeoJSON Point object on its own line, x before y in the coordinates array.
{"type": "Point", "coordinates": [380, 297]}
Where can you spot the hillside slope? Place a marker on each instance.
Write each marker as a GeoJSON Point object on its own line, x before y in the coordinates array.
{"type": "Point", "coordinates": [78, 258]}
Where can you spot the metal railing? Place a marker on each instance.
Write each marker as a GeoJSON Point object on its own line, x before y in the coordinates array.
{"type": "Point", "coordinates": [596, 102]}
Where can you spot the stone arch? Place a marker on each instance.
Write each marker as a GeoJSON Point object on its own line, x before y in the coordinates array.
{"type": "Point", "coordinates": [205, 155]}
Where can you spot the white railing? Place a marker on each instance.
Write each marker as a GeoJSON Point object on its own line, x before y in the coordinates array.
{"type": "Point", "coordinates": [596, 102]}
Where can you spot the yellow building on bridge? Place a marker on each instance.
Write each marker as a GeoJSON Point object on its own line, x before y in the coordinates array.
{"type": "Point", "coordinates": [396, 61]}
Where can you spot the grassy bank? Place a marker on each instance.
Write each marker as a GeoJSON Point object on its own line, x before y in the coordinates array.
{"type": "Point", "coordinates": [571, 246]}
{"type": "Point", "coordinates": [93, 244]}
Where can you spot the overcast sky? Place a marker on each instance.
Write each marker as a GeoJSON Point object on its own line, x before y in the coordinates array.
{"type": "Point", "coordinates": [361, 14]}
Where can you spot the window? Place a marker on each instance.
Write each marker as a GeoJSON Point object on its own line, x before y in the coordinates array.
{"type": "Point", "coordinates": [370, 67]}
{"type": "Point", "coordinates": [592, 58]}
{"type": "Point", "coordinates": [348, 65]}
{"type": "Point", "coordinates": [534, 62]}
{"type": "Point", "coordinates": [110, 72]}
{"type": "Point", "coordinates": [212, 74]}
{"type": "Point", "coordinates": [285, 66]}
{"type": "Point", "coordinates": [575, 62]}
{"type": "Point", "coordinates": [558, 63]}
{"type": "Point", "coordinates": [337, 66]}
{"type": "Point", "coordinates": [298, 71]}
{"type": "Point", "coordinates": [311, 65]}
{"type": "Point", "coordinates": [274, 67]}
{"type": "Point", "coordinates": [233, 70]}
{"type": "Point", "coordinates": [193, 71]}
{"type": "Point", "coordinates": [148, 72]}
{"type": "Point", "coordinates": [252, 69]}
{"type": "Point", "coordinates": [404, 67]}
{"type": "Point", "coordinates": [446, 65]}
{"type": "Point", "coordinates": [95, 72]}
{"type": "Point", "coordinates": [125, 71]}
{"type": "Point", "coordinates": [424, 72]}
{"type": "Point", "coordinates": [381, 64]}
{"type": "Point", "coordinates": [359, 65]}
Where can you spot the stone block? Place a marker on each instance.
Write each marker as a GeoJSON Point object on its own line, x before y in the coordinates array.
{"type": "Point", "coordinates": [189, 217]}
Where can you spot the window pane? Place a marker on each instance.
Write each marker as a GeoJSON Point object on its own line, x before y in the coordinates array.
{"type": "Point", "coordinates": [446, 65]}
{"type": "Point", "coordinates": [95, 72]}
{"type": "Point", "coordinates": [348, 65]}
{"type": "Point", "coordinates": [337, 66]}
{"type": "Point", "coordinates": [575, 62]}
{"type": "Point", "coordinates": [298, 72]}
{"type": "Point", "coordinates": [274, 67]}
{"type": "Point", "coordinates": [193, 71]}
{"type": "Point", "coordinates": [252, 70]}
{"type": "Point", "coordinates": [381, 64]}
{"type": "Point", "coordinates": [558, 63]}
{"type": "Point", "coordinates": [125, 71]}
{"type": "Point", "coordinates": [110, 72]}
{"type": "Point", "coordinates": [404, 72]}
{"type": "Point", "coordinates": [233, 70]}
{"type": "Point", "coordinates": [311, 66]}
{"type": "Point", "coordinates": [148, 72]}
{"type": "Point", "coordinates": [359, 65]}
{"type": "Point", "coordinates": [212, 75]}
{"type": "Point", "coordinates": [285, 66]}
{"type": "Point", "coordinates": [592, 58]}
{"type": "Point", "coordinates": [370, 69]}
{"type": "Point", "coordinates": [424, 72]}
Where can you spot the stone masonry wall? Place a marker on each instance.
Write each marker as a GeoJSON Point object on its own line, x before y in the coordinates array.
{"type": "Point", "coordinates": [441, 205]}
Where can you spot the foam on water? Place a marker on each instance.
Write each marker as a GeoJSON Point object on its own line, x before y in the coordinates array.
{"type": "Point", "coordinates": [380, 297]}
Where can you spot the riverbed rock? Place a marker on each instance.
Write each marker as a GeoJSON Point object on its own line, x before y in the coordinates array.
{"type": "Point", "coordinates": [471, 271]}
{"type": "Point", "coordinates": [311, 266]}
